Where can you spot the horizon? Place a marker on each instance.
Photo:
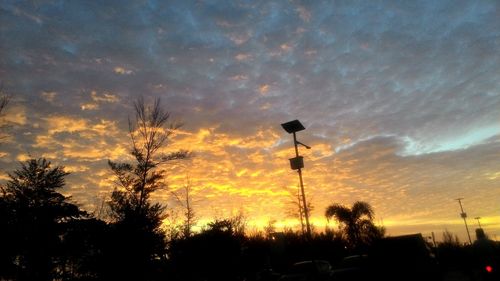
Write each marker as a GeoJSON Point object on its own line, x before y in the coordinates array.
{"type": "Point", "coordinates": [399, 100]}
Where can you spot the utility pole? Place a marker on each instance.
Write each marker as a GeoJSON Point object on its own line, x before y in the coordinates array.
{"type": "Point", "coordinates": [464, 216]}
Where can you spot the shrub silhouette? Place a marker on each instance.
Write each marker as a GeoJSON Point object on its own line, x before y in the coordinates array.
{"type": "Point", "coordinates": [213, 254]}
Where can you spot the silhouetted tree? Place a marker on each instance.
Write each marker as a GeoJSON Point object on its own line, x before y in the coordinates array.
{"type": "Point", "coordinates": [185, 199]}
{"type": "Point", "coordinates": [83, 244]}
{"type": "Point", "coordinates": [33, 219]}
{"type": "Point", "coordinates": [149, 132]}
{"type": "Point", "coordinates": [234, 226]}
{"type": "Point", "coordinates": [450, 239]}
{"type": "Point", "coordinates": [213, 254]}
{"type": "Point", "coordinates": [357, 222]}
{"type": "Point", "coordinates": [139, 241]}
{"type": "Point", "coordinates": [453, 255]}
{"type": "Point", "coordinates": [296, 209]}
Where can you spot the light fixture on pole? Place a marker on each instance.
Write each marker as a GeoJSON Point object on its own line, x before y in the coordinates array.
{"type": "Point", "coordinates": [478, 222]}
{"type": "Point", "coordinates": [297, 163]}
{"type": "Point", "coordinates": [464, 216]}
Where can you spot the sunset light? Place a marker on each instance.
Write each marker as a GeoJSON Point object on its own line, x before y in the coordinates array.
{"type": "Point", "coordinates": [399, 103]}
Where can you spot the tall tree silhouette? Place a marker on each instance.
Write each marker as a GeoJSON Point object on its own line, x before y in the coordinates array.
{"type": "Point", "coordinates": [33, 217]}
{"type": "Point", "coordinates": [357, 222]}
{"type": "Point", "coordinates": [139, 240]}
{"type": "Point", "coordinates": [184, 198]}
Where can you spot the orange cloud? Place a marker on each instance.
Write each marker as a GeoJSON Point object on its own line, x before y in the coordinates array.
{"type": "Point", "coordinates": [104, 97]}
{"type": "Point", "coordinates": [122, 70]}
{"type": "Point", "coordinates": [89, 106]}
{"type": "Point", "coordinates": [285, 47]}
{"type": "Point", "coordinates": [87, 139]}
{"type": "Point", "coordinates": [263, 89]}
{"type": "Point", "coordinates": [15, 114]}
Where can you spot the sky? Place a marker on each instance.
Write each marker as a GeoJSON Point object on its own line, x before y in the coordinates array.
{"type": "Point", "coordinates": [400, 100]}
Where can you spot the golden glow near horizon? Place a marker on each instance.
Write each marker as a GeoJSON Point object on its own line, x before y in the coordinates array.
{"type": "Point", "coordinates": [234, 174]}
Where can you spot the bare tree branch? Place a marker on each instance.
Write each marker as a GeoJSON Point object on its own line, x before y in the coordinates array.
{"type": "Point", "coordinates": [186, 201]}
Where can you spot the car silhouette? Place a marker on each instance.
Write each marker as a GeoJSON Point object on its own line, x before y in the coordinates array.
{"type": "Point", "coordinates": [351, 268]}
{"type": "Point", "coordinates": [311, 270]}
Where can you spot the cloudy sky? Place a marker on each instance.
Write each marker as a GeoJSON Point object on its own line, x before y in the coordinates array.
{"type": "Point", "coordinates": [401, 101]}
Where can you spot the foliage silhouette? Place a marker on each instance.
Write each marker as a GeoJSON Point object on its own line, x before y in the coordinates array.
{"type": "Point", "coordinates": [139, 242]}
{"type": "Point", "coordinates": [357, 223]}
{"type": "Point", "coordinates": [149, 132]}
{"type": "Point", "coordinates": [213, 254]}
{"type": "Point", "coordinates": [449, 239]}
{"type": "Point", "coordinates": [34, 218]}
{"type": "Point", "coordinates": [184, 198]}
{"type": "Point", "coordinates": [83, 255]}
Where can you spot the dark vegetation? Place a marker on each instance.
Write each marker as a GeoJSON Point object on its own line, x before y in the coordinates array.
{"type": "Point", "coordinates": [46, 236]}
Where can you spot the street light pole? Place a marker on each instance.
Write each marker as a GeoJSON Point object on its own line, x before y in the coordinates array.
{"type": "Point", "coordinates": [299, 171]}
{"type": "Point", "coordinates": [478, 222]}
{"type": "Point", "coordinates": [297, 163]}
{"type": "Point", "coordinates": [464, 216]}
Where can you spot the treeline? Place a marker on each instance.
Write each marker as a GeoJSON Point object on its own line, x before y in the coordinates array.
{"type": "Point", "coordinates": [46, 236]}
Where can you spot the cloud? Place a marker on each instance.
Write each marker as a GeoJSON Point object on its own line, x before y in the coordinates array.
{"type": "Point", "coordinates": [400, 100]}
{"type": "Point", "coordinates": [15, 114]}
{"type": "Point", "coordinates": [304, 14]}
{"type": "Point", "coordinates": [89, 106]}
{"type": "Point", "coordinates": [49, 96]}
{"type": "Point", "coordinates": [263, 89]}
{"type": "Point", "coordinates": [105, 97]}
{"type": "Point", "coordinates": [242, 57]}
{"type": "Point", "coordinates": [121, 70]}
{"type": "Point", "coordinates": [97, 99]}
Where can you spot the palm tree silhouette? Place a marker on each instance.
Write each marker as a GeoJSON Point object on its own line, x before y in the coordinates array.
{"type": "Point", "coordinates": [357, 222]}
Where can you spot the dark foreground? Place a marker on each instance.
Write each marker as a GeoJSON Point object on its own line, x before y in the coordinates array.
{"type": "Point", "coordinates": [401, 258]}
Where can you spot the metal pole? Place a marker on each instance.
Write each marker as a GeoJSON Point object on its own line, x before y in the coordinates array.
{"type": "Point", "coordinates": [478, 222]}
{"type": "Point", "coordinates": [464, 216]}
{"type": "Point", "coordinates": [301, 213]}
{"type": "Point", "coordinates": [295, 144]}
{"type": "Point", "coordinates": [306, 212]}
